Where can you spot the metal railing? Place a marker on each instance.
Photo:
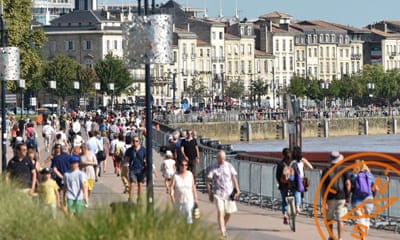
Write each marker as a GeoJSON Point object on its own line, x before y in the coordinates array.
{"type": "Point", "coordinates": [215, 116]}
{"type": "Point", "coordinates": [259, 187]}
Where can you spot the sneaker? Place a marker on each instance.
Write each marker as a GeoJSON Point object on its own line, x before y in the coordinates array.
{"type": "Point", "coordinates": [285, 220]}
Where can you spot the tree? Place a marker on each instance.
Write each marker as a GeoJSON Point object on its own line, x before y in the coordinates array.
{"type": "Point", "coordinates": [235, 89]}
{"type": "Point", "coordinates": [18, 16]}
{"type": "Point", "coordinates": [63, 70]}
{"type": "Point", "coordinates": [313, 89]}
{"type": "Point", "coordinates": [112, 70]}
{"type": "Point", "coordinates": [196, 90]}
{"type": "Point", "coordinates": [258, 89]}
{"type": "Point", "coordinates": [86, 77]}
{"type": "Point", "coordinates": [297, 86]}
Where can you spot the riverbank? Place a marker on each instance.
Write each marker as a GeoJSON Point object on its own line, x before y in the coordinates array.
{"type": "Point", "coordinates": [231, 132]}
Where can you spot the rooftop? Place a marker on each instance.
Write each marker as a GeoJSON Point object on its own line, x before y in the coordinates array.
{"type": "Point", "coordinates": [275, 14]}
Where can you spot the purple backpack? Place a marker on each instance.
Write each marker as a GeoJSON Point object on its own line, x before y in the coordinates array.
{"type": "Point", "coordinates": [362, 186]}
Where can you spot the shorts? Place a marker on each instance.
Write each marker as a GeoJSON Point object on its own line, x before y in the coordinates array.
{"type": "Point", "coordinates": [225, 205]}
{"type": "Point", "coordinates": [336, 207]}
{"type": "Point", "coordinates": [364, 216]}
{"type": "Point", "coordinates": [136, 177]}
{"type": "Point", "coordinates": [90, 184]}
{"type": "Point", "coordinates": [75, 206]}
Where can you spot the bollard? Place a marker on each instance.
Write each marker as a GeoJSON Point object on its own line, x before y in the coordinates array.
{"type": "Point", "coordinates": [366, 128]}
{"type": "Point", "coordinates": [360, 128]}
{"type": "Point", "coordinates": [394, 126]}
{"type": "Point", "coordinates": [242, 133]}
{"type": "Point", "coordinates": [326, 128]}
{"type": "Point", "coordinates": [285, 132]}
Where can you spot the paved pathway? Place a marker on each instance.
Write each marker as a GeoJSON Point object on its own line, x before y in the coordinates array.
{"type": "Point", "coordinates": [248, 223]}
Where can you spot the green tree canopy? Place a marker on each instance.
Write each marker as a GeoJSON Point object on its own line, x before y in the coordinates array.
{"type": "Point", "coordinates": [63, 70]}
{"type": "Point", "coordinates": [235, 89]}
{"type": "Point", "coordinates": [112, 70]}
{"type": "Point", "coordinates": [259, 88]}
{"type": "Point", "coordinates": [297, 86]}
{"type": "Point", "coordinates": [18, 16]}
{"type": "Point", "coordinates": [87, 77]}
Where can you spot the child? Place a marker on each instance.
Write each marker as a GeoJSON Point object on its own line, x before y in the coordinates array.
{"type": "Point", "coordinates": [168, 169]}
{"type": "Point", "coordinates": [48, 192]}
{"type": "Point", "coordinates": [75, 188]}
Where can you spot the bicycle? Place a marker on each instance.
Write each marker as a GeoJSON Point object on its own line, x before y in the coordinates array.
{"type": "Point", "coordinates": [291, 204]}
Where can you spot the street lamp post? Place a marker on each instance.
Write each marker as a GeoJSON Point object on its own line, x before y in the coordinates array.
{"type": "Point", "coordinates": [53, 86]}
{"type": "Point", "coordinates": [76, 87]}
{"type": "Point", "coordinates": [325, 87]}
{"type": "Point", "coordinates": [97, 87]}
{"type": "Point", "coordinates": [173, 86]}
{"type": "Point", "coordinates": [111, 88]}
{"type": "Point", "coordinates": [21, 84]}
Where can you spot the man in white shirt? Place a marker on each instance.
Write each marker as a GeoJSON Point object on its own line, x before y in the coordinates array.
{"type": "Point", "coordinates": [48, 133]}
{"type": "Point", "coordinates": [88, 126]}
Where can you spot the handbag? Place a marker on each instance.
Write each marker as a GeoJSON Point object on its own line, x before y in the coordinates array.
{"type": "Point", "coordinates": [101, 155]}
{"type": "Point", "coordinates": [196, 211]}
{"type": "Point", "coordinates": [306, 182]}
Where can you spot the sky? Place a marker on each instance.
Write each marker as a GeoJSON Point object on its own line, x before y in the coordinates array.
{"type": "Point", "coordinates": [357, 13]}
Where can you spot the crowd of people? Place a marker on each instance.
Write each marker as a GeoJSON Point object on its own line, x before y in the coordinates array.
{"type": "Point", "coordinates": [353, 189]}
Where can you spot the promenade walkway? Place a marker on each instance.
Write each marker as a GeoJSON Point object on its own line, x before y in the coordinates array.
{"type": "Point", "coordinates": [248, 223]}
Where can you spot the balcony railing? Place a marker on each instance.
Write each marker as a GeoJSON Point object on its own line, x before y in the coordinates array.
{"type": "Point", "coordinates": [218, 59]}
{"type": "Point", "coordinates": [355, 56]}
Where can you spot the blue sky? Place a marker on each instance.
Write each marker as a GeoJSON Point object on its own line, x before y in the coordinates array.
{"type": "Point", "coordinates": [358, 13]}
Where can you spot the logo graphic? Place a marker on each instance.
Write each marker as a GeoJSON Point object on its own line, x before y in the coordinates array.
{"type": "Point", "coordinates": [375, 206]}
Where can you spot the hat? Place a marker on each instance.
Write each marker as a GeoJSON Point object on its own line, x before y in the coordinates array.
{"type": "Point", "coordinates": [74, 159]}
{"type": "Point", "coordinates": [335, 157]}
{"type": "Point", "coordinates": [45, 170]}
{"type": "Point", "coordinates": [168, 153]}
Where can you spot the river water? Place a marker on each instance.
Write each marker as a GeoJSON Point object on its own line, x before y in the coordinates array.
{"type": "Point", "coordinates": [371, 143]}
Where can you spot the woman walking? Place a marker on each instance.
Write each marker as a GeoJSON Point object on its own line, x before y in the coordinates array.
{"type": "Point", "coordinates": [88, 162]}
{"type": "Point", "coordinates": [183, 191]}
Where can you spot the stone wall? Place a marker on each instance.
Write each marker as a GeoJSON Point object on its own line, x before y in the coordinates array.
{"type": "Point", "coordinates": [268, 130]}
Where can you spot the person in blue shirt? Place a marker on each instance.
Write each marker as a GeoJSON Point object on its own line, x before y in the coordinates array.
{"type": "Point", "coordinates": [363, 207]}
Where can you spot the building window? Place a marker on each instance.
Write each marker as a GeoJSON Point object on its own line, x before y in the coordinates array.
{"type": "Point", "coordinates": [208, 52]}
{"type": "Point", "coordinates": [303, 55]}
{"type": "Point", "coordinates": [321, 38]}
{"type": "Point", "coordinates": [214, 35]}
{"type": "Point", "coordinates": [298, 55]}
{"type": "Point", "coordinates": [108, 44]}
{"type": "Point", "coordinates": [341, 53]}
{"type": "Point", "coordinates": [291, 63]}
{"type": "Point", "coordinates": [327, 52]}
{"type": "Point", "coordinates": [347, 68]}
{"type": "Point", "coordinates": [242, 67]}
{"type": "Point", "coordinates": [88, 45]}
{"type": "Point", "coordinates": [175, 57]}
{"type": "Point", "coordinates": [115, 44]}
{"type": "Point", "coordinates": [290, 45]}
{"type": "Point", "coordinates": [221, 51]}
{"type": "Point", "coordinates": [321, 54]}
{"type": "Point", "coordinates": [315, 52]}
{"type": "Point", "coordinates": [221, 36]}
{"type": "Point", "coordinates": [327, 68]}
{"type": "Point", "coordinates": [347, 53]}
{"type": "Point", "coordinates": [242, 49]}
{"type": "Point", "coordinates": [341, 68]}
{"type": "Point", "coordinates": [315, 71]}
{"type": "Point", "coordinates": [309, 52]}
{"type": "Point", "coordinates": [201, 52]}
{"type": "Point", "coordinates": [334, 68]}
{"type": "Point", "coordinates": [340, 39]}
{"type": "Point", "coordinates": [250, 67]}
{"type": "Point", "coordinates": [333, 52]}
{"type": "Point", "coordinates": [284, 45]}
{"type": "Point", "coordinates": [250, 49]}
{"type": "Point", "coordinates": [333, 38]}
{"type": "Point", "coordinates": [230, 67]}
{"type": "Point", "coordinates": [327, 38]}
{"type": "Point", "coordinates": [314, 38]}
{"type": "Point", "coordinates": [309, 38]}
{"type": "Point", "coordinates": [236, 67]}
{"type": "Point", "coordinates": [277, 45]}
{"type": "Point", "coordinates": [321, 68]}
{"type": "Point", "coordinates": [265, 66]}
{"type": "Point", "coordinates": [284, 63]}
{"type": "Point", "coordinates": [69, 45]}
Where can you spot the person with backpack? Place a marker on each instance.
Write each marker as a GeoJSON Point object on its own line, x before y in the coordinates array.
{"type": "Point", "coordinates": [136, 156]}
{"type": "Point", "coordinates": [32, 142]}
{"type": "Point", "coordinates": [362, 181]}
{"type": "Point", "coordinates": [283, 173]}
{"type": "Point", "coordinates": [338, 194]}
{"type": "Point", "coordinates": [298, 165]}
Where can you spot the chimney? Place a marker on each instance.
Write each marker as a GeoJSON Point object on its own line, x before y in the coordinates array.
{"type": "Point", "coordinates": [385, 27]}
{"type": "Point", "coordinates": [173, 27]}
{"type": "Point", "coordinates": [188, 27]}
{"type": "Point", "coordinates": [108, 15]}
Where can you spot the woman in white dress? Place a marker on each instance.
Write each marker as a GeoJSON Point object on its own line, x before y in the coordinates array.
{"type": "Point", "coordinates": [183, 191]}
{"type": "Point", "coordinates": [168, 170]}
{"type": "Point", "coordinates": [88, 162]}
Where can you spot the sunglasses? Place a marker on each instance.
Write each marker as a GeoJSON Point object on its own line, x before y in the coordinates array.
{"type": "Point", "coordinates": [136, 141]}
{"type": "Point", "coordinates": [183, 164]}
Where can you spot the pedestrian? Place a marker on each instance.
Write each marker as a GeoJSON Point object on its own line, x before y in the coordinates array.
{"type": "Point", "coordinates": [338, 194]}
{"type": "Point", "coordinates": [222, 179]}
{"type": "Point", "coordinates": [75, 190]}
{"type": "Point", "coordinates": [168, 170]}
{"type": "Point", "coordinates": [190, 151]}
{"type": "Point", "coordinates": [183, 192]}
{"type": "Point", "coordinates": [21, 170]}
{"type": "Point", "coordinates": [113, 143]}
{"type": "Point", "coordinates": [88, 162]}
{"type": "Point", "coordinates": [60, 164]}
{"type": "Point", "coordinates": [120, 151]}
{"type": "Point", "coordinates": [136, 156]}
{"type": "Point", "coordinates": [298, 164]}
{"type": "Point", "coordinates": [363, 191]}
{"type": "Point", "coordinates": [48, 192]}
{"type": "Point", "coordinates": [48, 133]}
{"type": "Point", "coordinates": [283, 173]}
{"type": "Point", "coordinates": [107, 146]}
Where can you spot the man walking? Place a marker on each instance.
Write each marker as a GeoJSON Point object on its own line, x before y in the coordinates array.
{"type": "Point", "coordinates": [225, 189]}
{"type": "Point", "coordinates": [338, 194]}
{"type": "Point", "coordinates": [190, 152]}
{"type": "Point", "coordinates": [21, 169]}
{"type": "Point", "coordinates": [136, 156]}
